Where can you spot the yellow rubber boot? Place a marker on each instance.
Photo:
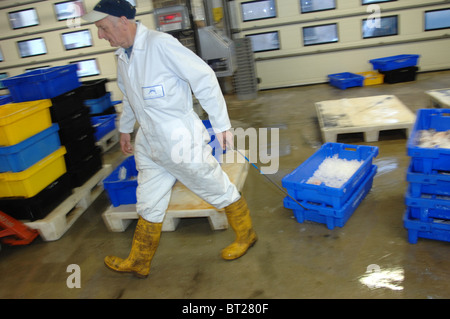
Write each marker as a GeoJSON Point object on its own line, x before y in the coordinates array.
{"type": "Point", "coordinates": [238, 216]}
{"type": "Point", "coordinates": [145, 241]}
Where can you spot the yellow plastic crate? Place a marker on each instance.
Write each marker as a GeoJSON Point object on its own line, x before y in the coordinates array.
{"type": "Point", "coordinates": [31, 181]}
{"type": "Point", "coordinates": [372, 78]}
{"type": "Point", "coordinates": [19, 121]}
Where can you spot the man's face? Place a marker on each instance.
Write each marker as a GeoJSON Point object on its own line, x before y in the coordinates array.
{"type": "Point", "coordinates": [110, 29]}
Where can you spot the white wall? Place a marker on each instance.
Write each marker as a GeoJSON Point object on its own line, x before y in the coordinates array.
{"type": "Point", "coordinates": [296, 64]}
{"type": "Point", "coordinates": [293, 65]}
{"type": "Point", "coordinates": [50, 29]}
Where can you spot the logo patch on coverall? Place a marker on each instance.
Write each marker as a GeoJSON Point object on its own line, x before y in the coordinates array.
{"type": "Point", "coordinates": [153, 92]}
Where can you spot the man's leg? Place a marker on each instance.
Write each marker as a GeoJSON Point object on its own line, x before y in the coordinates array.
{"type": "Point", "coordinates": [153, 196]}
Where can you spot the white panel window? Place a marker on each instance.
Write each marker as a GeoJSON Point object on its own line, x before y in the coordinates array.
{"type": "Point", "coordinates": [32, 47]}
{"type": "Point", "coordinates": [69, 9]}
{"type": "Point", "coordinates": [437, 19]}
{"type": "Point", "coordinates": [23, 18]}
{"type": "Point", "coordinates": [257, 10]}
{"type": "Point", "coordinates": [376, 1]}
{"type": "Point", "coordinates": [267, 41]}
{"type": "Point", "coordinates": [320, 34]}
{"type": "Point", "coordinates": [384, 27]}
{"type": "Point", "coordinates": [317, 5]}
{"type": "Point", "coordinates": [87, 68]}
{"type": "Point", "coordinates": [77, 39]}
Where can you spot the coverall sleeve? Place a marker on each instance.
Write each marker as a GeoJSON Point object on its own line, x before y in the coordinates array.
{"type": "Point", "coordinates": [202, 80]}
{"type": "Point", "coordinates": [127, 119]}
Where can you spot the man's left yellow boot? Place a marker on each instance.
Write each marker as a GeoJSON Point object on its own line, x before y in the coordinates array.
{"type": "Point", "coordinates": [238, 216]}
{"type": "Point", "coordinates": [145, 242]}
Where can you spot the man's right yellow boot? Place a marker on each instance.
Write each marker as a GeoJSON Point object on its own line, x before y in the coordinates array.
{"type": "Point", "coordinates": [238, 216]}
{"type": "Point", "coordinates": [145, 241]}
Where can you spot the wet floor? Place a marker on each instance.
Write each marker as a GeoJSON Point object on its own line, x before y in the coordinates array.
{"type": "Point", "coordinates": [370, 257]}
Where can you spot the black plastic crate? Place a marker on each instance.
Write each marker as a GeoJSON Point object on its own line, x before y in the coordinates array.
{"type": "Point", "coordinates": [70, 128]}
{"type": "Point", "coordinates": [80, 147]}
{"type": "Point", "coordinates": [400, 75]}
{"type": "Point", "coordinates": [93, 89]}
{"type": "Point", "coordinates": [86, 168]}
{"type": "Point", "coordinates": [40, 205]}
{"type": "Point", "coordinates": [65, 105]}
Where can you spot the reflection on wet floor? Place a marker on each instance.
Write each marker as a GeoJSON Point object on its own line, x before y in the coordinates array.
{"type": "Point", "coordinates": [375, 277]}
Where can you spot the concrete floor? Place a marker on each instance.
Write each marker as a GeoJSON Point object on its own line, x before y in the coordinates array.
{"type": "Point", "coordinates": [290, 260]}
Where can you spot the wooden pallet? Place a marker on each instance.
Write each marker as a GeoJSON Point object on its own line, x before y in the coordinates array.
{"type": "Point", "coordinates": [109, 140]}
{"type": "Point", "coordinates": [55, 224]}
{"type": "Point", "coordinates": [367, 115]}
{"type": "Point", "coordinates": [183, 203]}
{"type": "Point", "coordinates": [439, 98]}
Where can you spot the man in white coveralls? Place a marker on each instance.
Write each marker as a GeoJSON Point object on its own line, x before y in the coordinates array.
{"type": "Point", "coordinates": [156, 75]}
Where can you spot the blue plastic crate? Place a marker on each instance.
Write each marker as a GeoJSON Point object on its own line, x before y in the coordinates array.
{"type": "Point", "coordinates": [103, 125]}
{"type": "Point", "coordinates": [43, 83]}
{"type": "Point", "coordinates": [99, 105]}
{"type": "Point", "coordinates": [428, 207]}
{"type": "Point", "coordinates": [419, 184]}
{"type": "Point", "coordinates": [5, 99]}
{"type": "Point", "coordinates": [436, 229]}
{"type": "Point", "coordinates": [122, 191]}
{"type": "Point", "coordinates": [327, 215]}
{"type": "Point", "coordinates": [19, 157]}
{"type": "Point", "coordinates": [296, 181]}
{"type": "Point", "coordinates": [395, 62]}
{"type": "Point", "coordinates": [346, 80]}
{"type": "Point", "coordinates": [429, 160]}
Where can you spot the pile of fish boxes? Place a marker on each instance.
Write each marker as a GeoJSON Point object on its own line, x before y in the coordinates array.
{"type": "Point", "coordinates": [397, 68]}
{"type": "Point", "coordinates": [101, 109]}
{"type": "Point", "coordinates": [324, 204]}
{"type": "Point", "coordinates": [47, 142]}
{"type": "Point", "coordinates": [428, 195]}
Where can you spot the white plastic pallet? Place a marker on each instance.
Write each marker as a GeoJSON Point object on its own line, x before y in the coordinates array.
{"type": "Point", "coordinates": [439, 98]}
{"type": "Point", "coordinates": [183, 203]}
{"type": "Point", "coordinates": [109, 140]}
{"type": "Point", "coordinates": [368, 115]}
{"type": "Point", "coordinates": [53, 226]}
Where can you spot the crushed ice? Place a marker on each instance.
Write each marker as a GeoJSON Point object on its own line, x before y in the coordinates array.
{"type": "Point", "coordinates": [433, 139]}
{"type": "Point", "coordinates": [334, 171]}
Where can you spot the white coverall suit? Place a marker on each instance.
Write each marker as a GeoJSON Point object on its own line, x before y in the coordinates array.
{"type": "Point", "coordinates": [156, 82]}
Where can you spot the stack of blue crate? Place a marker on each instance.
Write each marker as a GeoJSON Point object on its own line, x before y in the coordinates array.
{"type": "Point", "coordinates": [397, 68]}
{"type": "Point", "coordinates": [55, 88]}
{"type": "Point", "coordinates": [329, 205]}
{"type": "Point", "coordinates": [101, 108]}
{"type": "Point", "coordinates": [95, 96]}
{"type": "Point", "coordinates": [428, 195]}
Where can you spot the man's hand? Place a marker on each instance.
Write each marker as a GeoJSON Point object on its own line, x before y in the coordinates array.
{"type": "Point", "coordinates": [225, 139]}
{"type": "Point", "coordinates": [125, 143]}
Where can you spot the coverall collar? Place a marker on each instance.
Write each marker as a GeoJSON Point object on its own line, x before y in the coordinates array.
{"type": "Point", "coordinates": [138, 42]}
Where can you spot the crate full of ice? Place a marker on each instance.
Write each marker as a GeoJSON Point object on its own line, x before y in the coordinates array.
{"type": "Point", "coordinates": [324, 214]}
{"type": "Point", "coordinates": [331, 175]}
{"type": "Point", "coordinates": [429, 142]}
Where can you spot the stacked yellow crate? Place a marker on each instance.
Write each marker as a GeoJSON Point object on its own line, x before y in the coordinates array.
{"type": "Point", "coordinates": [18, 122]}
{"type": "Point", "coordinates": [33, 171]}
